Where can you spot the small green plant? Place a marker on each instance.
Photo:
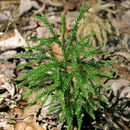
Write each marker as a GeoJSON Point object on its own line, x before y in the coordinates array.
{"type": "Point", "coordinates": [75, 83]}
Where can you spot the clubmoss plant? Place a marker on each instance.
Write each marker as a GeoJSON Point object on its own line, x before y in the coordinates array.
{"type": "Point", "coordinates": [75, 83]}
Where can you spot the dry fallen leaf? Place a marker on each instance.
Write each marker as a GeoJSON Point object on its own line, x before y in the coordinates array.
{"type": "Point", "coordinates": [28, 124]}
{"type": "Point", "coordinates": [9, 93]}
{"type": "Point", "coordinates": [27, 5]}
{"type": "Point", "coordinates": [9, 87]}
{"type": "Point", "coordinates": [91, 2]}
{"type": "Point", "coordinates": [11, 40]}
{"type": "Point", "coordinates": [118, 84]}
{"type": "Point", "coordinates": [57, 51]}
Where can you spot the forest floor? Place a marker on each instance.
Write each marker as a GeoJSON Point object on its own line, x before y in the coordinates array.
{"type": "Point", "coordinates": [17, 24]}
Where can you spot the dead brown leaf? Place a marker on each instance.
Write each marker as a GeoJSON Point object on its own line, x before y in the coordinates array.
{"type": "Point", "coordinates": [12, 39]}
{"type": "Point", "coordinates": [28, 124]}
{"type": "Point", "coordinates": [57, 51]}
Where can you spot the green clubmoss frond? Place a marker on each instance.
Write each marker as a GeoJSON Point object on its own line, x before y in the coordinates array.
{"type": "Point", "coordinates": [73, 82]}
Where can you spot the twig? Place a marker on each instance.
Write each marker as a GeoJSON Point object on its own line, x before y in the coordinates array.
{"type": "Point", "coordinates": [40, 10]}
{"type": "Point", "coordinates": [49, 2]}
{"type": "Point", "coordinates": [18, 118]}
{"type": "Point", "coordinates": [121, 123]}
{"type": "Point", "coordinates": [8, 49]}
{"type": "Point", "coordinates": [97, 8]}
